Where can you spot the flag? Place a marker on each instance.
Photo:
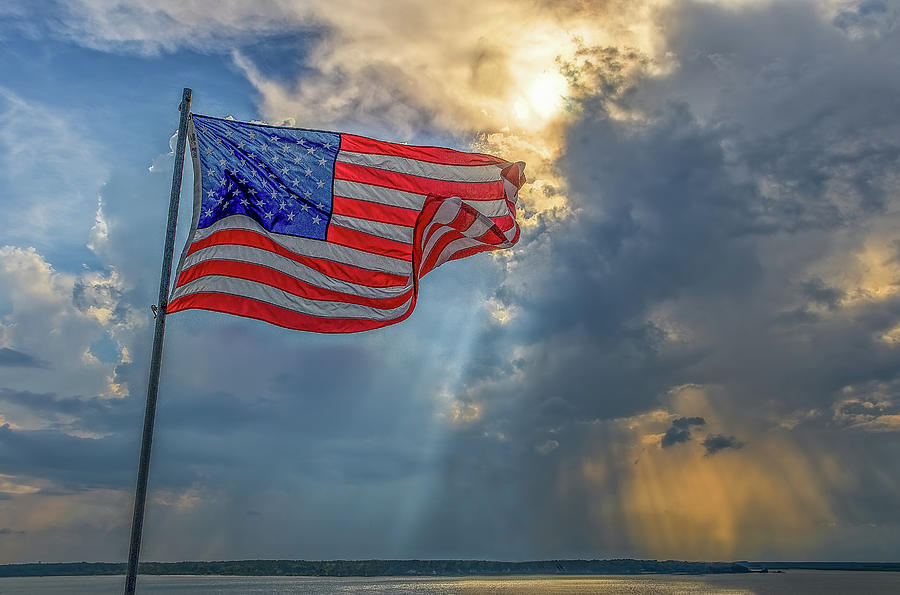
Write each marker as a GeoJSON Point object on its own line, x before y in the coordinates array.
{"type": "Point", "coordinates": [329, 232]}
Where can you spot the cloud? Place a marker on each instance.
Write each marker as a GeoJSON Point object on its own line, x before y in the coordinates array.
{"type": "Point", "coordinates": [12, 358]}
{"type": "Point", "coordinates": [59, 315]}
{"type": "Point", "coordinates": [680, 431]}
{"type": "Point", "coordinates": [716, 442]}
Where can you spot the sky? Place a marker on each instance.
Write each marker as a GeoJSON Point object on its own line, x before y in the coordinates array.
{"type": "Point", "coordinates": [693, 352]}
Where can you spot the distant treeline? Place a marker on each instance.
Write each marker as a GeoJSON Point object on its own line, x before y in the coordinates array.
{"type": "Point", "coordinates": [870, 566]}
{"type": "Point", "coordinates": [378, 568]}
{"type": "Point", "coordinates": [428, 567]}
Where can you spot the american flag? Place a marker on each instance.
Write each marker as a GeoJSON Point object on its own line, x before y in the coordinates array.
{"type": "Point", "coordinates": [329, 232]}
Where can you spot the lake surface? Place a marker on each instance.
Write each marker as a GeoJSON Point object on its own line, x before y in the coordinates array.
{"type": "Point", "coordinates": [799, 582]}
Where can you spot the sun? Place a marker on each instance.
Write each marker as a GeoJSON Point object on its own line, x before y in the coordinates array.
{"type": "Point", "coordinates": [543, 98]}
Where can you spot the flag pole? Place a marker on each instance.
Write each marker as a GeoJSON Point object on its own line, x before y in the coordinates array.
{"type": "Point", "coordinates": [140, 493]}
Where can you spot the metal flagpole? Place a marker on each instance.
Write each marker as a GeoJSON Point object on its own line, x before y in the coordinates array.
{"type": "Point", "coordinates": [140, 493]}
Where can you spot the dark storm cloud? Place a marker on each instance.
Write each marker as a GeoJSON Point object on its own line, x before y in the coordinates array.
{"type": "Point", "coordinates": [18, 359]}
{"type": "Point", "coordinates": [680, 431]}
{"type": "Point", "coordinates": [716, 442]}
{"type": "Point", "coordinates": [753, 160]}
{"type": "Point", "coordinates": [819, 293]}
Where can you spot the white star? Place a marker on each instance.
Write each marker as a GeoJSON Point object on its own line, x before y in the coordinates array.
{"type": "Point", "coordinates": [269, 215]}
{"type": "Point", "coordinates": [308, 173]}
{"type": "Point", "coordinates": [275, 159]}
{"type": "Point", "coordinates": [245, 202]}
{"type": "Point", "coordinates": [273, 138]}
{"type": "Point", "coordinates": [260, 203]}
{"type": "Point", "coordinates": [241, 145]}
{"type": "Point", "coordinates": [301, 142]}
{"type": "Point", "coordinates": [218, 140]}
{"type": "Point", "coordinates": [204, 129]}
{"type": "Point", "coordinates": [250, 134]}
{"type": "Point", "coordinates": [265, 182]}
{"type": "Point", "coordinates": [284, 171]}
{"type": "Point", "coordinates": [320, 205]}
{"type": "Point", "coordinates": [295, 182]}
{"type": "Point", "coordinates": [252, 191]}
{"type": "Point", "coordinates": [304, 206]}
{"type": "Point", "coordinates": [328, 145]}
{"type": "Point", "coordinates": [209, 212]}
{"type": "Point", "coordinates": [242, 181]}
{"type": "Point", "coordinates": [222, 162]}
{"type": "Point", "coordinates": [290, 216]}
{"type": "Point", "coordinates": [210, 193]}
{"type": "Point", "coordinates": [320, 183]}
{"type": "Point", "coordinates": [251, 156]}
{"type": "Point", "coordinates": [208, 150]}
{"type": "Point", "coordinates": [311, 150]}
{"type": "Point", "coordinates": [264, 146]}
{"type": "Point", "coordinates": [316, 219]}
{"type": "Point", "coordinates": [228, 132]}
{"type": "Point", "coordinates": [322, 162]}
{"type": "Point", "coordinates": [307, 194]}
{"type": "Point", "coordinates": [282, 206]}
{"type": "Point", "coordinates": [243, 162]}
{"type": "Point", "coordinates": [297, 159]}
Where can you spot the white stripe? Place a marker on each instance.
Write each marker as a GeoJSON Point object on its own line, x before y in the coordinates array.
{"type": "Point", "coordinates": [490, 208]}
{"type": "Point", "coordinates": [384, 196]}
{"type": "Point", "coordinates": [389, 231]}
{"type": "Point", "coordinates": [424, 169]}
{"type": "Point", "coordinates": [476, 229]}
{"type": "Point", "coordinates": [510, 233]}
{"type": "Point", "coordinates": [283, 299]}
{"type": "Point", "coordinates": [511, 190]}
{"type": "Point", "coordinates": [455, 246]}
{"type": "Point", "coordinates": [312, 248]}
{"type": "Point", "coordinates": [290, 267]}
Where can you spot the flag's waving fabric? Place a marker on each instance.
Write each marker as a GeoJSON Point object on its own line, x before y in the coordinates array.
{"type": "Point", "coordinates": [329, 232]}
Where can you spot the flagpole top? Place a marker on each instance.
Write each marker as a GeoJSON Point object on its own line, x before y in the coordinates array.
{"type": "Point", "coordinates": [185, 98]}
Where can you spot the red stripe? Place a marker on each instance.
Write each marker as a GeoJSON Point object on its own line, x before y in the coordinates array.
{"type": "Point", "coordinates": [292, 285]}
{"type": "Point", "coordinates": [361, 144]}
{"type": "Point", "coordinates": [418, 185]}
{"type": "Point", "coordinates": [505, 222]}
{"type": "Point", "coordinates": [368, 243]}
{"type": "Point", "coordinates": [473, 250]}
{"type": "Point", "coordinates": [342, 271]}
{"type": "Point", "coordinates": [374, 211]}
{"type": "Point", "coordinates": [250, 308]}
{"type": "Point", "coordinates": [513, 172]}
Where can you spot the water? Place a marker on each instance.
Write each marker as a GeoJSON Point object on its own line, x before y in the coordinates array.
{"type": "Point", "coordinates": [796, 582]}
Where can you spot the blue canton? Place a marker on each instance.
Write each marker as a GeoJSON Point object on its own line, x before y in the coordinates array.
{"type": "Point", "coordinates": [281, 177]}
